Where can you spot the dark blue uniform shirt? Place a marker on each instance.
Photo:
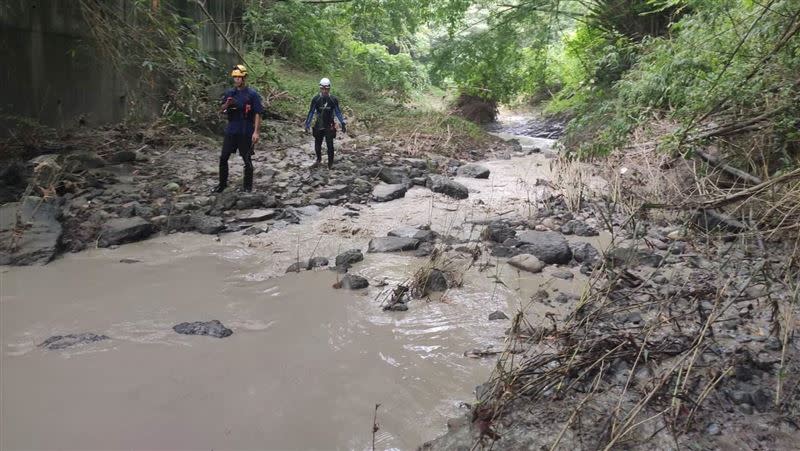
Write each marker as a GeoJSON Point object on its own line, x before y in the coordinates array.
{"type": "Point", "coordinates": [242, 114]}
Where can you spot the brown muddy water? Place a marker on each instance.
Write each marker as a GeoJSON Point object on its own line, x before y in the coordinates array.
{"type": "Point", "coordinates": [306, 363]}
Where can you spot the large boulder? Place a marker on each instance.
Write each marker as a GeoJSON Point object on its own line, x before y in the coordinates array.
{"type": "Point", "coordinates": [442, 184]}
{"type": "Point", "coordinates": [384, 193]}
{"type": "Point", "coordinates": [526, 262]}
{"type": "Point", "coordinates": [474, 170]}
{"type": "Point", "coordinates": [125, 230]}
{"type": "Point", "coordinates": [37, 236]}
{"type": "Point", "coordinates": [549, 247]}
{"type": "Point", "coordinates": [392, 244]}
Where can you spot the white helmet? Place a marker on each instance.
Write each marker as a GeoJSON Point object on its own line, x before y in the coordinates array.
{"type": "Point", "coordinates": [325, 83]}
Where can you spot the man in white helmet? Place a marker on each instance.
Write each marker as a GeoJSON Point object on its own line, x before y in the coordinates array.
{"type": "Point", "coordinates": [325, 106]}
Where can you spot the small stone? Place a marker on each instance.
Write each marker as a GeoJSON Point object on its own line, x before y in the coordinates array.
{"type": "Point", "coordinates": [746, 409]}
{"type": "Point", "coordinates": [741, 397]}
{"type": "Point", "coordinates": [526, 262]}
{"type": "Point", "coordinates": [398, 307]}
{"type": "Point", "coordinates": [563, 298]}
{"type": "Point", "coordinates": [563, 274]}
{"type": "Point", "coordinates": [713, 429]}
{"type": "Point", "coordinates": [316, 262]}
{"type": "Point", "coordinates": [298, 266]}
{"type": "Point", "coordinates": [57, 342]}
{"type": "Point", "coordinates": [212, 328]}
{"type": "Point", "coordinates": [172, 187]}
{"type": "Point", "coordinates": [497, 315]}
{"type": "Point", "coordinates": [762, 400]}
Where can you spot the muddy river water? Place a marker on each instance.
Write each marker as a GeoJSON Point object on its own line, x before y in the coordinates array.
{"type": "Point", "coordinates": [306, 363]}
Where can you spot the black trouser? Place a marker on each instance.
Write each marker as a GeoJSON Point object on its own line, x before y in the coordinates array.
{"type": "Point", "coordinates": [328, 134]}
{"type": "Point", "coordinates": [232, 143]}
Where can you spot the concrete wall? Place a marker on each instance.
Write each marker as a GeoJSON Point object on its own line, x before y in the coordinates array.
{"type": "Point", "coordinates": [52, 72]}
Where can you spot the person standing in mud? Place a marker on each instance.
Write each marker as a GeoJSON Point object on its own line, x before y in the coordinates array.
{"type": "Point", "coordinates": [243, 107]}
{"type": "Point", "coordinates": [324, 106]}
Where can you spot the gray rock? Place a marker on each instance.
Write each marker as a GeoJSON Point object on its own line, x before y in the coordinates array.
{"type": "Point", "coordinates": [498, 232]}
{"type": "Point", "coordinates": [209, 225]}
{"type": "Point", "coordinates": [585, 253]}
{"type": "Point", "coordinates": [442, 184]}
{"type": "Point", "coordinates": [578, 228]}
{"type": "Point", "coordinates": [384, 193]}
{"type": "Point", "coordinates": [496, 315]}
{"type": "Point", "coordinates": [398, 307]}
{"type": "Point", "coordinates": [416, 163]}
{"type": "Point", "coordinates": [563, 274]}
{"type": "Point", "coordinates": [347, 259]}
{"type": "Point", "coordinates": [123, 156]}
{"type": "Point", "coordinates": [549, 247]}
{"type": "Point", "coordinates": [354, 282]}
{"type": "Point", "coordinates": [254, 200]}
{"type": "Point", "coordinates": [65, 341]}
{"type": "Point", "coordinates": [212, 328]}
{"type": "Point", "coordinates": [526, 262]}
{"type": "Point", "coordinates": [36, 239]}
{"type": "Point", "coordinates": [392, 244]}
{"type": "Point", "coordinates": [253, 231]}
{"type": "Point", "coordinates": [762, 400]}
{"type": "Point", "coordinates": [629, 256]}
{"type": "Point", "coordinates": [316, 262]}
{"type": "Point", "coordinates": [474, 170]}
{"type": "Point", "coordinates": [713, 429]}
{"type": "Point", "coordinates": [394, 176]}
{"type": "Point", "coordinates": [741, 397]}
{"type": "Point", "coordinates": [334, 191]}
{"type": "Point", "coordinates": [425, 248]}
{"type": "Point", "coordinates": [124, 230]}
{"type": "Point", "coordinates": [80, 161]}
{"type": "Point", "coordinates": [563, 298]}
{"type": "Point", "coordinates": [223, 201]}
{"type": "Point", "coordinates": [436, 282]}
{"type": "Point", "coordinates": [298, 266]}
{"type": "Point", "coordinates": [504, 251]}
{"type": "Point", "coordinates": [256, 215]}
{"type": "Point", "coordinates": [413, 232]}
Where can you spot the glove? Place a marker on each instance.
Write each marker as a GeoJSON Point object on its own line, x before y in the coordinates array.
{"type": "Point", "coordinates": [344, 128]}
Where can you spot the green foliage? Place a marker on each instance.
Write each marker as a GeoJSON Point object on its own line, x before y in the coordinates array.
{"type": "Point", "coordinates": [325, 38]}
{"type": "Point", "coordinates": [719, 60]}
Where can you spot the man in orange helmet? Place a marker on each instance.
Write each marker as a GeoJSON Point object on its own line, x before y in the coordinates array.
{"type": "Point", "coordinates": [243, 107]}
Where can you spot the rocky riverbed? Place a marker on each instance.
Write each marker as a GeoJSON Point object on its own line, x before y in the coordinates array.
{"type": "Point", "coordinates": [440, 266]}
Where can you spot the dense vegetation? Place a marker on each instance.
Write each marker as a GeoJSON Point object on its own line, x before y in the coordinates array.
{"type": "Point", "coordinates": [611, 66]}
